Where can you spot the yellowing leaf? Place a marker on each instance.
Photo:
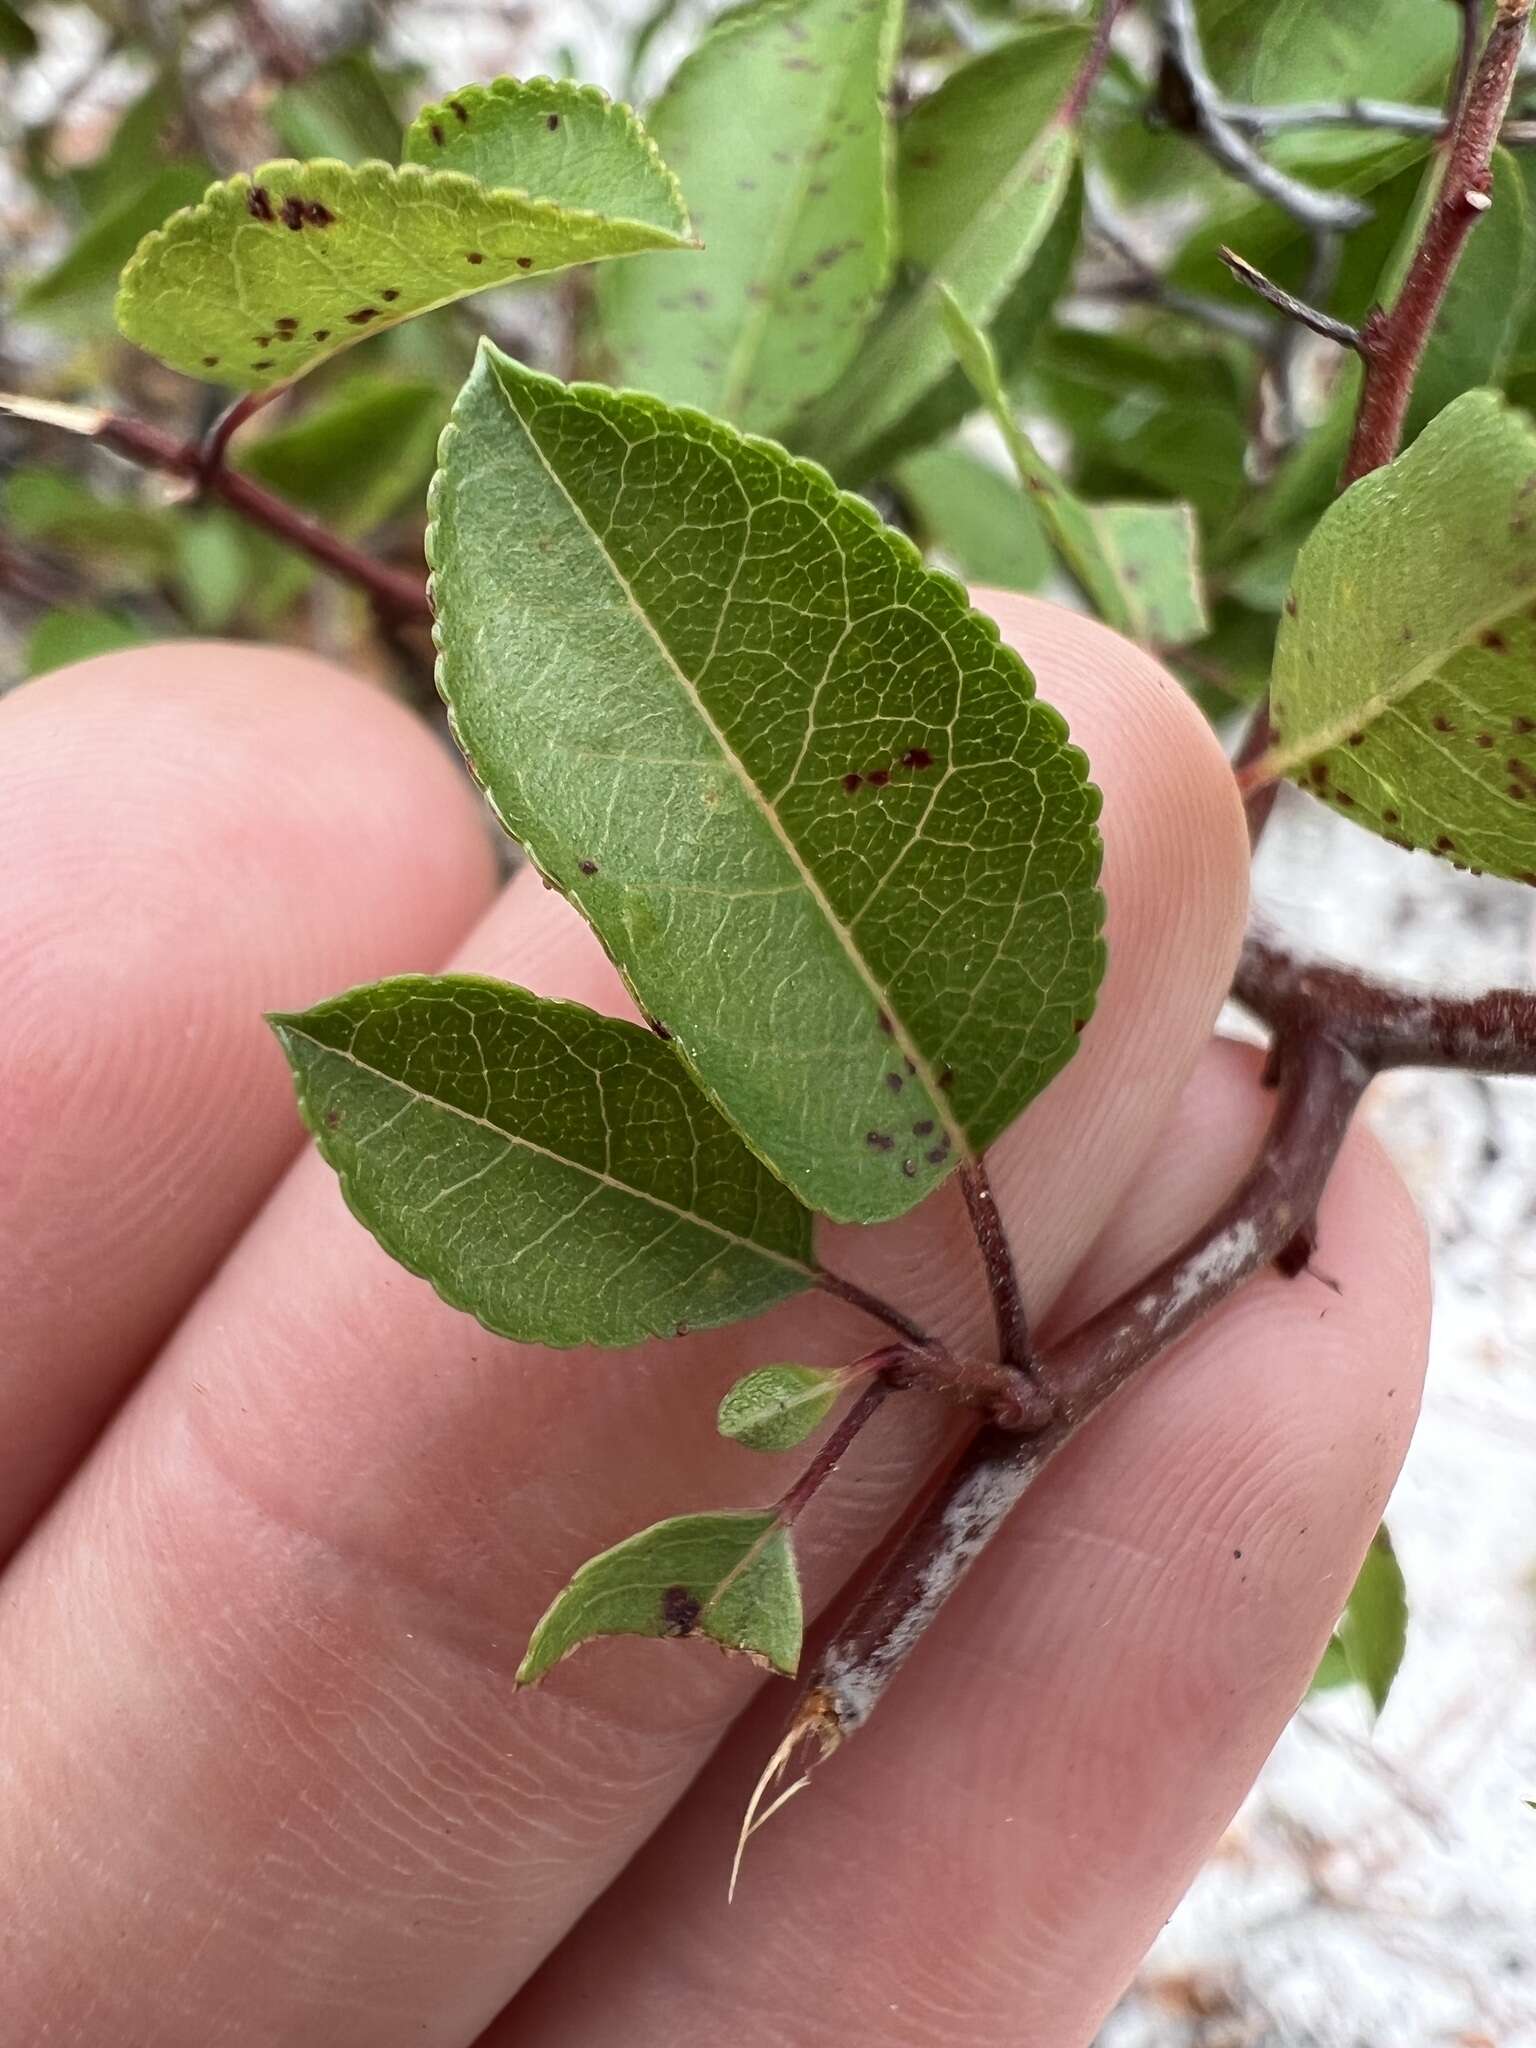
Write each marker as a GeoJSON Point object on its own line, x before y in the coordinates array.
{"type": "Point", "coordinates": [730, 1578]}
{"type": "Point", "coordinates": [1404, 687]}
{"type": "Point", "coordinates": [277, 270]}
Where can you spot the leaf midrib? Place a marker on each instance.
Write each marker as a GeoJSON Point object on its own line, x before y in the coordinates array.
{"type": "Point", "coordinates": [900, 1035]}
{"type": "Point", "coordinates": [513, 1139]}
{"type": "Point", "coordinates": [1284, 760]}
{"type": "Point", "coordinates": [748, 347]}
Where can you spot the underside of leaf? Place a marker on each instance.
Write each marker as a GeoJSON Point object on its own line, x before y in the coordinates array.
{"type": "Point", "coordinates": [1404, 688]}
{"type": "Point", "coordinates": [729, 1578]}
{"type": "Point", "coordinates": [552, 1171]}
{"type": "Point", "coordinates": [276, 270]}
{"type": "Point", "coordinates": [809, 802]}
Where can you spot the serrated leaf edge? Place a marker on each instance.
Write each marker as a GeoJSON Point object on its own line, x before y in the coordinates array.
{"type": "Point", "coordinates": [906, 548]}
{"type": "Point", "coordinates": [285, 1022]}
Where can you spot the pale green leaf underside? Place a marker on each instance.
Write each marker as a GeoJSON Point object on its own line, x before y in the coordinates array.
{"type": "Point", "coordinates": [808, 801]}
{"type": "Point", "coordinates": [569, 145]}
{"type": "Point", "coordinates": [778, 123]}
{"type": "Point", "coordinates": [1404, 686]}
{"type": "Point", "coordinates": [552, 1171]}
{"type": "Point", "coordinates": [1136, 563]}
{"type": "Point", "coordinates": [276, 270]}
{"type": "Point", "coordinates": [978, 516]}
{"type": "Point", "coordinates": [731, 1578]}
{"type": "Point", "coordinates": [983, 168]}
{"type": "Point", "coordinates": [1373, 1629]}
{"type": "Point", "coordinates": [777, 1406]}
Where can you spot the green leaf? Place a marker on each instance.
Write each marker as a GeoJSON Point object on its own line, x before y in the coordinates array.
{"type": "Point", "coordinates": [1136, 563]}
{"type": "Point", "coordinates": [1273, 50]}
{"type": "Point", "coordinates": [75, 295]}
{"type": "Point", "coordinates": [984, 168]}
{"type": "Point", "coordinates": [981, 520]}
{"type": "Point", "coordinates": [1404, 688]}
{"type": "Point", "coordinates": [60, 637]}
{"type": "Point", "coordinates": [778, 1406]}
{"type": "Point", "coordinates": [124, 545]}
{"type": "Point", "coordinates": [1373, 1629]}
{"type": "Point", "coordinates": [569, 144]}
{"type": "Point", "coordinates": [277, 270]}
{"type": "Point", "coordinates": [358, 458]}
{"type": "Point", "coordinates": [549, 1170]}
{"type": "Point", "coordinates": [731, 1578]}
{"type": "Point", "coordinates": [808, 801]}
{"type": "Point", "coordinates": [1332, 1669]}
{"type": "Point", "coordinates": [1166, 409]}
{"type": "Point", "coordinates": [343, 108]}
{"type": "Point", "coordinates": [1012, 331]}
{"type": "Point", "coordinates": [18, 38]}
{"type": "Point", "coordinates": [778, 121]}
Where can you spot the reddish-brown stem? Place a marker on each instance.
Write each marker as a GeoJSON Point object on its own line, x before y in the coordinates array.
{"type": "Point", "coordinates": [1093, 64]}
{"type": "Point", "coordinates": [997, 1259]}
{"type": "Point", "coordinates": [1492, 1033]}
{"type": "Point", "coordinates": [872, 1305]}
{"type": "Point", "coordinates": [229, 422]}
{"type": "Point", "coordinates": [1258, 799]}
{"type": "Point", "coordinates": [922, 1362]}
{"type": "Point", "coordinates": [1393, 341]}
{"type": "Point", "coordinates": [1321, 1081]}
{"type": "Point", "coordinates": [832, 1452]}
{"type": "Point", "coordinates": [396, 593]}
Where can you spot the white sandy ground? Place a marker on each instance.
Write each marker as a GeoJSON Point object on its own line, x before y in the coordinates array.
{"type": "Point", "coordinates": [1378, 1890]}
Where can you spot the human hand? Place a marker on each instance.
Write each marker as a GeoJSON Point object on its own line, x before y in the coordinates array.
{"type": "Point", "coordinates": [281, 1520]}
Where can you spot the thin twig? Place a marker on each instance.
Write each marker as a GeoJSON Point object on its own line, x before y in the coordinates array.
{"type": "Point", "coordinates": [1147, 284]}
{"type": "Point", "coordinates": [1285, 302]}
{"type": "Point", "coordinates": [832, 1453]}
{"type": "Point", "coordinates": [1393, 342]}
{"type": "Point", "coordinates": [1093, 64]}
{"type": "Point", "coordinates": [395, 592]}
{"type": "Point", "coordinates": [1190, 101]}
{"type": "Point", "coordinates": [997, 1260]}
{"type": "Point", "coordinates": [1321, 1082]}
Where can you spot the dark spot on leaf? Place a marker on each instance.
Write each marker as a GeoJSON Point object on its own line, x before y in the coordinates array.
{"type": "Point", "coordinates": [390, 296]}
{"type": "Point", "coordinates": [1079, 1024]}
{"type": "Point", "coordinates": [1290, 605]}
{"type": "Point", "coordinates": [1391, 817]}
{"type": "Point", "coordinates": [317, 215]}
{"type": "Point", "coordinates": [659, 1028]}
{"type": "Point", "coordinates": [459, 111]}
{"type": "Point", "coordinates": [947, 1078]}
{"type": "Point", "coordinates": [1441, 723]}
{"type": "Point", "coordinates": [287, 320]}
{"type": "Point", "coordinates": [264, 364]}
{"type": "Point", "coordinates": [332, 1119]}
{"type": "Point", "coordinates": [1522, 724]}
{"type": "Point", "coordinates": [362, 316]}
{"type": "Point", "coordinates": [262, 340]}
{"type": "Point", "coordinates": [553, 122]}
{"type": "Point", "coordinates": [258, 204]}
{"type": "Point", "coordinates": [909, 1168]}
{"type": "Point", "coordinates": [878, 777]}
{"type": "Point", "coordinates": [523, 262]}
{"type": "Point", "coordinates": [210, 362]}
{"type": "Point", "coordinates": [1345, 800]}
{"type": "Point", "coordinates": [746, 184]}
{"type": "Point", "coordinates": [1485, 739]}
{"type": "Point", "coordinates": [588, 867]}
{"type": "Point", "coordinates": [680, 1330]}
{"type": "Point", "coordinates": [293, 212]}
{"type": "Point", "coordinates": [911, 1066]}
{"type": "Point", "coordinates": [881, 1140]}
{"type": "Point", "coordinates": [1494, 642]}
{"type": "Point", "coordinates": [436, 132]}
{"type": "Point", "coordinates": [923, 1129]}
{"type": "Point", "coordinates": [1319, 772]}
{"type": "Point", "coordinates": [473, 256]}
{"type": "Point", "coordinates": [917, 757]}
{"type": "Point", "coordinates": [1528, 876]}
{"type": "Point", "coordinates": [895, 1082]}
{"type": "Point", "coordinates": [885, 1023]}
{"type": "Point", "coordinates": [1356, 739]}
{"type": "Point", "coordinates": [1445, 844]}
{"type": "Point", "coordinates": [680, 1610]}
{"type": "Point", "coordinates": [322, 334]}
{"type": "Point", "coordinates": [852, 781]}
